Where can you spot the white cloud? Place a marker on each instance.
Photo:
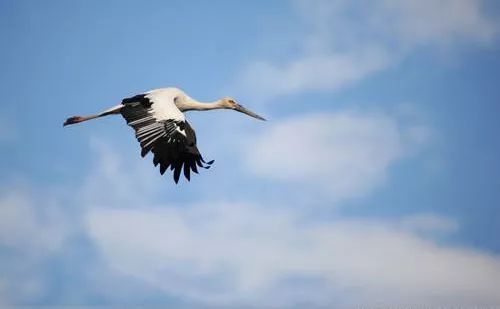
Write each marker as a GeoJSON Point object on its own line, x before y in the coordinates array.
{"type": "Point", "coordinates": [344, 154]}
{"type": "Point", "coordinates": [428, 223]}
{"type": "Point", "coordinates": [243, 254]}
{"type": "Point", "coordinates": [43, 225]}
{"type": "Point", "coordinates": [109, 182]}
{"type": "Point", "coordinates": [422, 22]}
{"type": "Point", "coordinates": [313, 72]}
{"type": "Point", "coordinates": [347, 41]}
{"type": "Point", "coordinates": [23, 227]}
{"type": "Point", "coordinates": [246, 254]}
{"type": "Point", "coordinates": [33, 229]}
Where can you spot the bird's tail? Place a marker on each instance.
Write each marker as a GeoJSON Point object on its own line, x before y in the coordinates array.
{"type": "Point", "coordinates": [77, 119]}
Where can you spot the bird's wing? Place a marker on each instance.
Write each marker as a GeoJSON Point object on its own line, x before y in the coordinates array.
{"type": "Point", "coordinates": [163, 130]}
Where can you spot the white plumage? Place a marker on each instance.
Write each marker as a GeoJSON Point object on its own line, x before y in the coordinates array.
{"type": "Point", "coordinates": [164, 103]}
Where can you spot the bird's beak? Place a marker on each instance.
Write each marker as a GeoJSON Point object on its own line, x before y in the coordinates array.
{"type": "Point", "coordinates": [243, 110]}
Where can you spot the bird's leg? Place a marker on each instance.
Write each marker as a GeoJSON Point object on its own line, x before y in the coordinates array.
{"type": "Point", "coordinates": [77, 119]}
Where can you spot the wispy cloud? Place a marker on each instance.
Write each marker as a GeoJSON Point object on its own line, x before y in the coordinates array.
{"type": "Point", "coordinates": [247, 254]}
{"type": "Point", "coordinates": [330, 71]}
{"type": "Point", "coordinates": [214, 253]}
{"type": "Point", "coordinates": [428, 223]}
{"type": "Point", "coordinates": [24, 228]}
{"type": "Point", "coordinates": [342, 155]}
{"type": "Point", "coordinates": [347, 41]}
{"type": "Point", "coordinates": [33, 230]}
{"type": "Point", "coordinates": [421, 22]}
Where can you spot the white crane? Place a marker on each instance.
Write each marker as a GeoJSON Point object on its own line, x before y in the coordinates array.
{"type": "Point", "coordinates": [160, 126]}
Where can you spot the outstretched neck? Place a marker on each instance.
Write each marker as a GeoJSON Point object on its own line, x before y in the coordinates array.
{"type": "Point", "coordinates": [193, 105]}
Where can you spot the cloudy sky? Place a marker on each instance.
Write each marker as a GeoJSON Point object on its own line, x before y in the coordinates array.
{"type": "Point", "coordinates": [375, 181]}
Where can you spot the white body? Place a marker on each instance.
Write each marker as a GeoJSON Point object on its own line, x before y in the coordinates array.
{"type": "Point", "coordinates": [164, 103]}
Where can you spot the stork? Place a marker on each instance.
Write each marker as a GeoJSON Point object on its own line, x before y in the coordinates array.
{"type": "Point", "coordinates": [161, 127]}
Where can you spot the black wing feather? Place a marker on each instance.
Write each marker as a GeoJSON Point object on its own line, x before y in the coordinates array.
{"type": "Point", "coordinates": [170, 147]}
{"type": "Point", "coordinates": [187, 169]}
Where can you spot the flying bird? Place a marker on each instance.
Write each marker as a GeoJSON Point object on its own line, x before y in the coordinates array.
{"type": "Point", "coordinates": [161, 127]}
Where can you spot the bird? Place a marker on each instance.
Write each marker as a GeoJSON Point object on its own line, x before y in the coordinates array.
{"type": "Point", "coordinates": [157, 117]}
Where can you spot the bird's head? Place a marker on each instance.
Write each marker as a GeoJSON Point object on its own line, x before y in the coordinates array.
{"type": "Point", "coordinates": [230, 103]}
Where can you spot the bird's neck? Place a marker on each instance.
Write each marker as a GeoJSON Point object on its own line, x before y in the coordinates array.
{"type": "Point", "coordinates": [192, 104]}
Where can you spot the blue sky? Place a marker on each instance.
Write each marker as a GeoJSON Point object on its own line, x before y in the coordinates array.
{"type": "Point", "coordinates": [374, 182]}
